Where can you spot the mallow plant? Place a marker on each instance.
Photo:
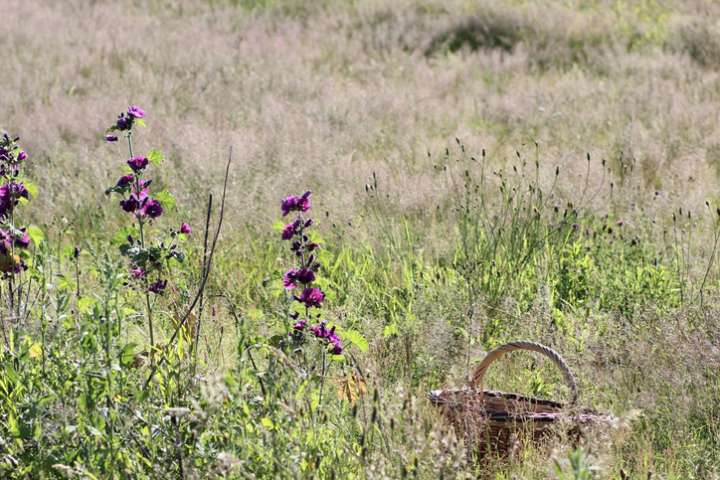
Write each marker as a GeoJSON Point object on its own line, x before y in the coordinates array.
{"type": "Point", "coordinates": [149, 250]}
{"type": "Point", "coordinates": [301, 281]}
{"type": "Point", "coordinates": [14, 238]}
{"type": "Point", "coordinates": [301, 278]}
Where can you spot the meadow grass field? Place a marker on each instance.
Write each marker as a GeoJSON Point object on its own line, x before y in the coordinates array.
{"type": "Point", "coordinates": [481, 172]}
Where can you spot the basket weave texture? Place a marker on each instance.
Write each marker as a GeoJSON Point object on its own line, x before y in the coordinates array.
{"type": "Point", "coordinates": [492, 421]}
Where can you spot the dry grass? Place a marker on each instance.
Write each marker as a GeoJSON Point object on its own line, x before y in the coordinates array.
{"type": "Point", "coordinates": [347, 91]}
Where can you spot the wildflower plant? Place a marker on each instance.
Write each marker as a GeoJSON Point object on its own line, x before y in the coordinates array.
{"type": "Point", "coordinates": [14, 240]}
{"type": "Point", "coordinates": [15, 190]}
{"type": "Point", "coordinates": [149, 256]}
{"type": "Point", "coordinates": [302, 277]}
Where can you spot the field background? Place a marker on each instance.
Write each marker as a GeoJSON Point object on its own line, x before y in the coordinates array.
{"type": "Point", "coordinates": [426, 131]}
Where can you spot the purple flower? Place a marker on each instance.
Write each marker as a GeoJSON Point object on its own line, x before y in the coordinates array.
{"type": "Point", "coordinates": [320, 331]}
{"type": "Point", "coordinates": [289, 278]}
{"type": "Point", "coordinates": [290, 230]}
{"type": "Point", "coordinates": [185, 229]}
{"type": "Point", "coordinates": [138, 163]}
{"type": "Point", "coordinates": [304, 203]}
{"type": "Point", "coordinates": [151, 208]}
{"type": "Point", "coordinates": [336, 344]}
{"type": "Point", "coordinates": [135, 201]}
{"type": "Point", "coordinates": [306, 276]}
{"type": "Point", "coordinates": [300, 324]}
{"type": "Point", "coordinates": [157, 287]}
{"type": "Point", "coordinates": [311, 297]}
{"type": "Point", "coordinates": [111, 138]}
{"type": "Point", "coordinates": [130, 204]}
{"type": "Point", "coordinates": [22, 156]}
{"type": "Point", "coordinates": [135, 111]}
{"type": "Point", "coordinates": [124, 181]}
{"type": "Point", "coordinates": [288, 204]}
{"type": "Point", "coordinates": [10, 194]}
{"type": "Point", "coordinates": [124, 122]}
{"type": "Point", "coordinates": [293, 203]}
{"type": "Point", "coordinates": [296, 275]}
{"type": "Point", "coordinates": [17, 190]}
{"type": "Point", "coordinates": [22, 240]}
{"type": "Point", "coordinates": [137, 272]}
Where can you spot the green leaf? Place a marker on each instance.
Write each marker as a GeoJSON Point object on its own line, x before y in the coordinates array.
{"type": "Point", "coordinates": [35, 351]}
{"type": "Point", "coordinates": [278, 225]}
{"type": "Point", "coordinates": [31, 188]}
{"type": "Point", "coordinates": [37, 431]}
{"type": "Point", "coordinates": [155, 157]}
{"type": "Point", "coordinates": [13, 426]}
{"type": "Point", "coordinates": [267, 423]}
{"type": "Point", "coordinates": [139, 122]}
{"type": "Point", "coordinates": [166, 199]}
{"type": "Point", "coordinates": [390, 330]}
{"type": "Point", "coordinates": [36, 235]}
{"type": "Point", "coordinates": [127, 354]}
{"type": "Point", "coordinates": [85, 304]}
{"type": "Point", "coordinates": [356, 338]}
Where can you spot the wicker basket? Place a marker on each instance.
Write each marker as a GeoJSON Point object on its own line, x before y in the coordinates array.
{"type": "Point", "coordinates": [499, 423]}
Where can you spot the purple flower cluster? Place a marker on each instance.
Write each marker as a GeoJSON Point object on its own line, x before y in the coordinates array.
{"type": "Point", "coordinates": [303, 276]}
{"type": "Point", "coordinates": [13, 240]}
{"type": "Point", "coordinates": [137, 164]}
{"type": "Point", "coordinates": [321, 331]}
{"type": "Point", "coordinates": [11, 156]}
{"type": "Point", "coordinates": [293, 203]}
{"type": "Point", "coordinates": [158, 287]}
{"type": "Point", "coordinates": [10, 195]}
{"type": "Point", "coordinates": [132, 186]}
{"type": "Point", "coordinates": [295, 276]}
{"type": "Point", "coordinates": [125, 121]}
{"type": "Point", "coordinates": [138, 201]}
{"type": "Point", "coordinates": [145, 260]}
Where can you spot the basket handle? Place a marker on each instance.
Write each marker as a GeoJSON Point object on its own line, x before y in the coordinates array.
{"type": "Point", "coordinates": [477, 377]}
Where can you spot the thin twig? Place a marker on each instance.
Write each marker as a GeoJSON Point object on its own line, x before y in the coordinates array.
{"type": "Point", "coordinates": [196, 345]}
{"type": "Point", "coordinates": [205, 276]}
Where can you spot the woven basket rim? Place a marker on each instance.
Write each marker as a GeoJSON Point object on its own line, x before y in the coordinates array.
{"type": "Point", "coordinates": [435, 396]}
{"type": "Point", "coordinates": [581, 415]}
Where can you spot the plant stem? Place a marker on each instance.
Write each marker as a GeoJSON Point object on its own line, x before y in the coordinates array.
{"type": "Point", "coordinates": [322, 380]}
{"type": "Point", "coordinates": [195, 346]}
{"type": "Point", "coordinates": [148, 308]}
{"type": "Point", "coordinates": [77, 276]}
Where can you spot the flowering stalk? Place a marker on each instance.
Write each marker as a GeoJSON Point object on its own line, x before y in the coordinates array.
{"type": "Point", "coordinates": [302, 277]}
{"type": "Point", "coordinates": [13, 240]}
{"type": "Point", "coordinates": [147, 261]}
